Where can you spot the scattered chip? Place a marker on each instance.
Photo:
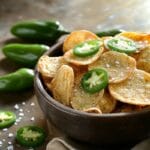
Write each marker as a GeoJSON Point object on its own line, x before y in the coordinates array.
{"type": "Point", "coordinates": [81, 100]}
{"type": "Point", "coordinates": [62, 84]}
{"type": "Point", "coordinates": [48, 66]}
{"type": "Point", "coordinates": [71, 58]}
{"type": "Point", "coordinates": [107, 103]}
{"type": "Point", "coordinates": [135, 90]}
{"type": "Point", "coordinates": [143, 61]}
{"type": "Point", "coordinates": [118, 65]}
{"type": "Point", "coordinates": [77, 37]}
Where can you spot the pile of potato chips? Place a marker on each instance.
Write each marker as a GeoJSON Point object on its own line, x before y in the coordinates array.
{"type": "Point", "coordinates": [129, 75]}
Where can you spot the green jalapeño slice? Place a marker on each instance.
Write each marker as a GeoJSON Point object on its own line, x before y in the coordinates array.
{"type": "Point", "coordinates": [7, 118]}
{"type": "Point", "coordinates": [121, 44]}
{"type": "Point", "coordinates": [87, 48]}
{"type": "Point", "coordinates": [30, 136]}
{"type": "Point", "coordinates": [94, 80]}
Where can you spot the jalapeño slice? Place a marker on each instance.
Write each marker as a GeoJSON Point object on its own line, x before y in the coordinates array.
{"type": "Point", "coordinates": [122, 44]}
{"type": "Point", "coordinates": [31, 136]}
{"type": "Point", "coordinates": [87, 48]}
{"type": "Point", "coordinates": [7, 118]}
{"type": "Point", "coordinates": [94, 80]}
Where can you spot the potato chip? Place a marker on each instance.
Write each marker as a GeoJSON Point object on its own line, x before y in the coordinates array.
{"type": "Point", "coordinates": [48, 66]}
{"type": "Point", "coordinates": [107, 103]}
{"type": "Point", "coordinates": [62, 84]}
{"type": "Point", "coordinates": [118, 65]}
{"type": "Point", "coordinates": [81, 100]}
{"type": "Point", "coordinates": [143, 61]}
{"type": "Point", "coordinates": [136, 36]}
{"type": "Point", "coordinates": [142, 39]}
{"type": "Point", "coordinates": [71, 58]}
{"type": "Point", "coordinates": [77, 37]}
{"type": "Point", "coordinates": [93, 110]}
{"type": "Point", "coordinates": [135, 90]}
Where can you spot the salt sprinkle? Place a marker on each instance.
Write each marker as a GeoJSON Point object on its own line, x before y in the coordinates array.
{"type": "Point", "coordinates": [4, 140]}
{"type": "Point", "coordinates": [10, 135]}
{"type": "Point", "coordinates": [32, 119]}
{"type": "Point", "coordinates": [117, 62]}
{"type": "Point", "coordinates": [1, 143]}
{"type": "Point", "coordinates": [9, 143]}
{"type": "Point", "coordinates": [16, 106]}
{"type": "Point", "coordinates": [18, 120]}
{"type": "Point", "coordinates": [5, 129]}
{"type": "Point", "coordinates": [107, 65]}
{"type": "Point", "coordinates": [21, 110]}
{"type": "Point", "coordinates": [16, 123]}
{"type": "Point", "coordinates": [28, 111]}
{"type": "Point", "coordinates": [21, 114]}
{"type": "Point", "coordinates": [32, 104]}
{"type": "Point", "coordinates": [10, 147]}
{"type": "Point", "coordinates": [23, 103]}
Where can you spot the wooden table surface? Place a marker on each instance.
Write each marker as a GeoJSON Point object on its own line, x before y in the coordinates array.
{"type": "Point", "coordinates": [93, 15]}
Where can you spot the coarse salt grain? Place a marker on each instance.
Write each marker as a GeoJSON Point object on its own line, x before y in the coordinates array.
{"type": "Point", "coordinates": [10, 147]}
{"type": "Point", "coordinates": [21, 110]}
{"type": "Point", "coordinates": [10, 135]}
{"type": "Point", "coordinates": [4, 140]}
{"type": "Point", "coordinates": [5, 129]}
{"type": "Point", "coordinates": [16, 106]}
{"type": "Point", "coordinates": [1, 143]}
{"type": "Point", "coordinates": [32, 104]}
{"type": "Point", "coordinates": [21, 114]}
{"type": "Point", "coordinates": [32, 119]}
{"type": "Point", "coordinates": [23, 103]}
{"type": "Point", "coordinates": [9, 142]}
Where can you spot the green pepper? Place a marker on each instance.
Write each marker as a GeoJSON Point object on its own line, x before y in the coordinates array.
{"type": "Point", "coordinates": [31, 136]}
{"type": "Point", "coordinates": [24, 54]}
{"type": "Point", "coordinates": [111, 32]}
{"type": "Point", "coordinates": [94, 80]}
{"type": "Point", "coordinates": [7, 118]}
{"type": "Point", "coordinates": [121, 44]}
{"type": "Point", "coordinates": [39, 31]}
{"type": "Point", "coordinates": [20, 80]}
{"type": "Point", "coordinates": [87, 48]}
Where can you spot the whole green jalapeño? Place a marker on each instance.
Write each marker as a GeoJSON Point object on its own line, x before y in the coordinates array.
{"type": "Point", "coordinates": [121, 44]}
{"type": "Point", "coordinates": [87, 48]}
{"type": "Point", "coordinates": [94, 80]}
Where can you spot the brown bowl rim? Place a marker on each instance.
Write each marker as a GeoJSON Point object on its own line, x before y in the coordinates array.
{"type": "Point", "coordinates": [49, 99]}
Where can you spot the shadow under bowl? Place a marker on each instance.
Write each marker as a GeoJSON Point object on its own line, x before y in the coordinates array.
{"type": "Point", "coordinates": [104, 129]}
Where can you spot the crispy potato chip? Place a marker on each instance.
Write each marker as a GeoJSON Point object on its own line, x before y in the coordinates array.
{"type": "Point", "coordinates": [71, 58]}
{"type": "Point", "coordinates": [93, 110]}
{"type": "Point", "coordinates": [62, 84]}
{"type": "Point", "coordinates": [77, 37]}
{"type": "Point", "coordinates": [81, 100]}
{"type": "Point", "coordinates": [142, 39]}
{"type": "Point", "coordinates": [136, 36]}
{"type": "Point", "coordinates": [48, 66]}
{"type": "Point", "coordinates": [107, 103]}
{"type": "Point", "coordinates": [135, 90]}
{"type": "Point", "coordinates": [118, 65]}
{"type": "Point", "coordinates": [143, 61]}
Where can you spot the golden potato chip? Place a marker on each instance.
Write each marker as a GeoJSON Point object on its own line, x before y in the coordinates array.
{"type": "Point", "coordinates": [48, 66]}
{"type": "Point", "coordinates": [71, 58]}
{"type": "Point", "coordinates": [142, 39]}
{"type": "Point", "coordinates": [143, 61]}
{"type": "Point", "coordinates": [107, 103]}
{"type": "Point", "coordinates": [135, 90]}
{"type": "Point", "coordinates": [77, 37]}
{"type": "Point", "coordinates": [136, 36]}
{"type": "Point", "coordinates": [81, 100]}
{"type": "Point", "coordinates": [118, 65]}
{"type": "Point", "coordinates": [62, 84]}
{"type": "Point", "coordinates": [93, 110]}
